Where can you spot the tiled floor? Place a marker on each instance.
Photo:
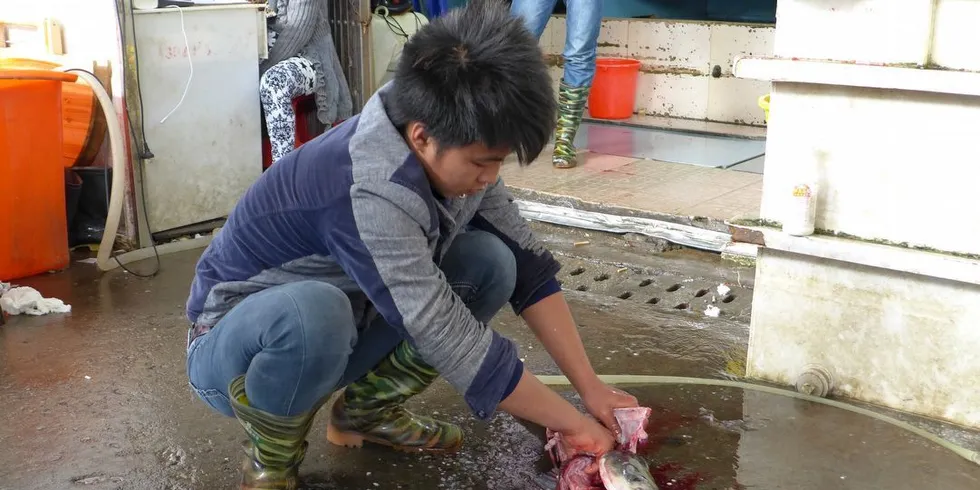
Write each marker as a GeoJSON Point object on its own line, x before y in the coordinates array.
{"type": "Point", "coordinates": [645, 185]}
{"type": "Point", "coordinates": [658, 165]}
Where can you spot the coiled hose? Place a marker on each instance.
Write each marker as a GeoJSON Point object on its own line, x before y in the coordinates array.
{"type": "Point", "coordinates": [628, 379]}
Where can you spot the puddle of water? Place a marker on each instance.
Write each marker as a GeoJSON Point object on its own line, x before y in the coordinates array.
{"type": "Point", "coordinates": [705, 438]}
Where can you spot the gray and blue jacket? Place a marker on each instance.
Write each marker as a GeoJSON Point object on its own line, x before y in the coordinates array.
{"type": "Point", "coordinates": [354, 208]}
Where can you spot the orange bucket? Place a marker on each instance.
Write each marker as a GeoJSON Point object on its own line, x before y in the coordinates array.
{"type": "Point", "coordinates": [613, 94]}
{"type": "Point", "coordinates": [33, 226]}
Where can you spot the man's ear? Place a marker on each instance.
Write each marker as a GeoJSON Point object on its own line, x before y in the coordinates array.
{"type": "Point", "coordinates": [418, 138]}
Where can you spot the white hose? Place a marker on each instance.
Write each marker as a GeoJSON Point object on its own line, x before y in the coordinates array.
{"type": "Point", "coordinates": [119, 171]}
{"type": "Point", "coordinates": [628, 379]}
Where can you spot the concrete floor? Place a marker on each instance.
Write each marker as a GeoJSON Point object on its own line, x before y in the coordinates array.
{"type": "Point", "coordinates": [98, 398]}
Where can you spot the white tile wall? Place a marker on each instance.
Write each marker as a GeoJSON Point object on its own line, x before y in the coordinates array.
{"type": "Point", "coordinates": [678, 58]}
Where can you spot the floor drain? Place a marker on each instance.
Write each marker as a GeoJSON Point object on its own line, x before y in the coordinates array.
{"type": "Point", "coordinates": [578, 271]}
{"type": "Point", "coordinates": [700, 293]}
{"type": "Point", "coordinates": [653, 301]}
{"type": "Point", "coordinates": [646, 282]}
{"type": "Point", "coordinates": [601, 277]}
{"type": "Point", "coordinates": [682, 306]}
{"type": "Point", "coordinates": [673, 288]}
{"type": "Point", "coordinates": [626, 295]}
{"type": "Point", "coordinates": [582, 288]}
{"type": "Point", "coordinates": [728, 299]}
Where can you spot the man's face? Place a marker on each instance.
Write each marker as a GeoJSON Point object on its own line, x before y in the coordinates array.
{"type": "Point", "coordinates": [455, 172]}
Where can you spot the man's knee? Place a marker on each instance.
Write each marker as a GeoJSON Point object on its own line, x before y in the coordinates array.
{"type": "Point", "coordinates": [493, 267]}
{"type": "Point", "coordinates": [316, 314]}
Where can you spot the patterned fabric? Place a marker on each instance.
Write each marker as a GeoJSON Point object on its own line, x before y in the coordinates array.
{"type": "Point", "coordinates": [371, 408]}
{"type": "Point", "coordinates": [301, 28]}
{"type": "Point", "coordinates": [276, 446]}
{"type": "Point", "coordinates": [571, 105]}
{"type": "Point", "coordinates": [288, 79]}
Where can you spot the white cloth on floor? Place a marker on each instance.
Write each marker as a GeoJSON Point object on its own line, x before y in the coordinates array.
{"type": "Point", "coordinates": [25, 300]}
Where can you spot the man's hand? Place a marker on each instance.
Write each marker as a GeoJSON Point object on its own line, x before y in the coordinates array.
{"type": "Point", "coordinates": [601, 399]}
{"type": "Point", "coordinates": [588, 437]}
{"type": "Point", "coordinates": [552, 322]}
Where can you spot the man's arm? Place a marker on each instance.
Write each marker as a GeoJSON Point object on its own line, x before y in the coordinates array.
{"type": "Point", "coordinates": [378, 238]}
{"type": "Point", "coordinates": [538, 299]}
{"type": "Point", "coordinates": [551, 321]}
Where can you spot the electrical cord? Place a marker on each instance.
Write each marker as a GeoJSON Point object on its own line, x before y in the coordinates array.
{"type": "Point", "coordinates": [187, 46]}
{"type": "Point", "coordinates": [394, 26]}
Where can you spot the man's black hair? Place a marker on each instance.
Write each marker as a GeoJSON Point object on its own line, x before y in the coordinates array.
{"type": "Point", "coordinates": [476, 75]}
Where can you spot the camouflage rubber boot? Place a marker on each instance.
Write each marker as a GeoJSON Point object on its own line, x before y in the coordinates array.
{"type": "Point", "coordinates": [571, 105]}
{"type": "Point", "coordinates": [276, 445]}
{"type": "Point", "coordinates": [370, 409]}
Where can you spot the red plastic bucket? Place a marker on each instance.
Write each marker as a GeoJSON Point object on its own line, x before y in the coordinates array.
{"type": "Point", "coordinates": [613, 94]}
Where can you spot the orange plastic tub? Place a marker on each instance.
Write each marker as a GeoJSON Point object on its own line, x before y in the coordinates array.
{"type": "Point", "coordinates": [613, 94]}
{"type": "Point", "coordinates": [33, 222]}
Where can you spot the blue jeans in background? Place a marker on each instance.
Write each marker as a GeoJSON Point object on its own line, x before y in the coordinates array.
{"type": "Point", "coordinates": [297, 343]}
{"type": "Point", "coordinates": [583, 20]}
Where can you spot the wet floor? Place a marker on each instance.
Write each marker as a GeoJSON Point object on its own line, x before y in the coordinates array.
{"type": "Point", "coordinates": [98, 399]}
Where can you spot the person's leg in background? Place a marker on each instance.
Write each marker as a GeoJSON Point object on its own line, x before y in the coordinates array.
{"type": "Point", "coordinates": [279, 85]}
{"type": "Point", "coordinates": [482, 271]}
{"type": "Point", "coordinates": [535, 13]}
{"type": "Point", "coordinates": [582, 24]}
{"type": "Point", "coordinates": [272, 362]}
{"type": "Point", "coordinates": [584, 19]}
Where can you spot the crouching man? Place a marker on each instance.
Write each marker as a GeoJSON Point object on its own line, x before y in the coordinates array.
{"type": "Point", "coordinates": [372, 258]}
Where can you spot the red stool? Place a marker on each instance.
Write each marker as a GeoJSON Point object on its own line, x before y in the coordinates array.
{"type": "Point", "coordinates": [307, 126]}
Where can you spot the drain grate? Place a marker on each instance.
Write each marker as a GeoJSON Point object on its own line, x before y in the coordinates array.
{"type": "Point", "coordinates": [678, 293]}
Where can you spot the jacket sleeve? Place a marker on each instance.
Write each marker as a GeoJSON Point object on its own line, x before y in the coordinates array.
{"type": "Point", "coordinates": [536, 266]}
{"type": "Point", "coordinates": [379, 238]}
{"type": "Point", "coordinates": [298, 25]}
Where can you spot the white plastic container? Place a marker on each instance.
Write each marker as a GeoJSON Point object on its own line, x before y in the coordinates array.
{"type": "Point", "coordinates": [801, 210]}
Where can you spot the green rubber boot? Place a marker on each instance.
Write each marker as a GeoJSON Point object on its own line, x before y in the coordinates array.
{"type": "Point", "coordinates": [276, 445]}
{"type": "Point", "coordinates": [370, 409]}
{"type": "Point", "coordinates": [571, 105]}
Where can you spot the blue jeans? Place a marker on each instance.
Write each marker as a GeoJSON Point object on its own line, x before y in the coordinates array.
{"type": "Point", "coordinates": [297, 343]}
{"type": "Point", "coordinates": [583, 20]}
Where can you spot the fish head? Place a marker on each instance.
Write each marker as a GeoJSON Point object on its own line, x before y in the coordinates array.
{"type": "Point", "coordinates": [621, 470]}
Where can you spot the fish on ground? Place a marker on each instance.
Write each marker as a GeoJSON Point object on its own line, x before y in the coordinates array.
{"type": "Point", "coordinates": [620, 469]}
